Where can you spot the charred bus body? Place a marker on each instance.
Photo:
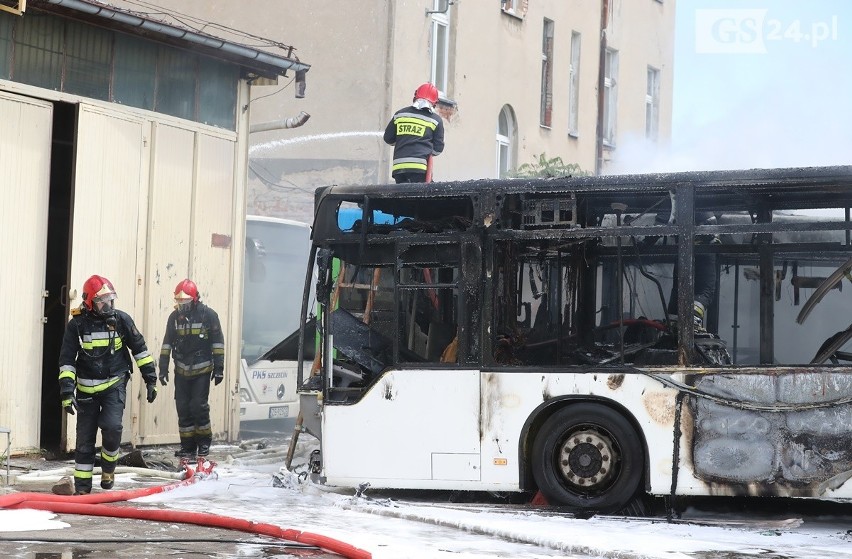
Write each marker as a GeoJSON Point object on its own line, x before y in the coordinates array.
{"type": "Point", "coordinates": [528, 335]}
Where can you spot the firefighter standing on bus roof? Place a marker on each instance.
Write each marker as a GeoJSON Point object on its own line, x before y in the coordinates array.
{"type": "Point", "coordinates": [194, 336]}
{"type": "Point", "coordinates": [94, 366]}
{"type": "Point", "coordinates": [417, 133]}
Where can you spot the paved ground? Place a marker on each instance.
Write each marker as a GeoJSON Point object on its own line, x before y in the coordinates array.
{"type": "Point", "coordinates": [106, 537]}
{"type": "Point", "coordinates": [102, 538]}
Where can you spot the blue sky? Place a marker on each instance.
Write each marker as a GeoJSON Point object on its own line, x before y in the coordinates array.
{"type": "Point", "coordinates": [762, 83]}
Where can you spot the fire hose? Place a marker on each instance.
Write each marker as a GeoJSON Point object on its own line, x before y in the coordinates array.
{"type": "Point", "coordinates": [95, 505]}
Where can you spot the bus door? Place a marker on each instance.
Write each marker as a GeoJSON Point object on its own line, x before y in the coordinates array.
{"type": "Point", "coordinates": [402, 335]}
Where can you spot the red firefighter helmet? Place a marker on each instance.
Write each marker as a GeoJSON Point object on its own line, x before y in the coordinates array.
{"type": "Point", "coordinates": [98, 295]}
{"type": "Point", "coordinates": [186, 293]}
{"type": "Point", "coordinates": [427, 91]}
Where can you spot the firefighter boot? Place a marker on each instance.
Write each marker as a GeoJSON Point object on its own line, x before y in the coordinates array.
{"type": "Point", "coordinates": [107, 480]}
{"type": "Point", "coordinates": [187, 449]}
{"type": "Point", "coordinates": [204, 446]}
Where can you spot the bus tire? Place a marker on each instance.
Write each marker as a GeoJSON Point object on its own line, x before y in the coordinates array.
{"type": "Point", "coordinates": [588, 457]}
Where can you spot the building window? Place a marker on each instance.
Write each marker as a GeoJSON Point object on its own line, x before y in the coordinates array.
{"type": "Point", "coordinates": [505, 141]}
{"type": "Point", "coordinates": [517, 8]}
{"type": "Point", "coordinates": [652, 105]}
{"type": "Point", "coordinates": [440, 44]}
{"type": "Point", "coordinates": [5, 47]}
{"type": "Point", "coordinates": [38, 56]}
{"type": "Point", "coordinates": [574, 86]}
{"type": "Point", "coordinates": [546, 74]}
{"type": "Point", "coordinates": [610, 96]}
{"type": "Point", "coordinates": [135, 70]}
{"type": "Point", "coordinates": [88, 60]}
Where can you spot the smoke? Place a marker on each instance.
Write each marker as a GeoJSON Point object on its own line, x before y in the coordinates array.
{"type": "Point", "coordinates": [780, 126]}
{"type": "Point", "coordinates": [785, 106]}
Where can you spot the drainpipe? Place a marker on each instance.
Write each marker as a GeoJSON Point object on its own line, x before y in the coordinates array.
{"type": "Point", "coordinates": [292, 122]}
{"type": "Point", "coordinates": [383, 171]}
{"type": "Point", "coordinates": [601, 78]}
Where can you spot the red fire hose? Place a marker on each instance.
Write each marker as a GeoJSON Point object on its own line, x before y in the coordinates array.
{"type": "Point", "coordinates": [93, 505]}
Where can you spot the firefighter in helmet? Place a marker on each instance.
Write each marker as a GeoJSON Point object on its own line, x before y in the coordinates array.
{"type": "Point", "coordinates": [99, 347]}
{"type": "Point", "coordinates": [417, 133]}
{"type": "Point", "coordinates": [194, 338]}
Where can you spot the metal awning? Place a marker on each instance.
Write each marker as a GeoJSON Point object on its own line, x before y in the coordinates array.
{"type": "Point", "coordinates": [258, 62]}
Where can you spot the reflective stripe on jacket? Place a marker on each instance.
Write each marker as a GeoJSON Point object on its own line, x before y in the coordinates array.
{"type": "Point", "coordinates": [96, 351]}
{"type": "Point", "coordinates": [415, 134]}
{"type": "Point", "coordinates": [195, 341]}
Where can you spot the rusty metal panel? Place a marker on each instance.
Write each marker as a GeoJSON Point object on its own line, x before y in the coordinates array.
{"type": "Point", "coordinates": [212, 260]}
{"type": "Point", "coordinates": [110, 172]}
{"type": "Point", "coordinates": [169, 239]}
{"type": "Point", "coordinates": [25, 136]}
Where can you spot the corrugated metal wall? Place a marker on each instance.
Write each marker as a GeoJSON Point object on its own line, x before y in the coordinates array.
{"type": "Point", "coordinates": [25, 136]}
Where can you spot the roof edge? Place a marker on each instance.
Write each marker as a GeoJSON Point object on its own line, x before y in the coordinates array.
{"type": "Point", "coordinates": [266, 64]}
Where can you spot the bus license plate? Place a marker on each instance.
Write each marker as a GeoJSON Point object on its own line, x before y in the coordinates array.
{"type": "Point", "coordinates": [279, 411]}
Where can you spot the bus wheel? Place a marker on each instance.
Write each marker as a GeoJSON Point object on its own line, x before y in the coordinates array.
{"type": "Point", "coordinates": [588, 456]}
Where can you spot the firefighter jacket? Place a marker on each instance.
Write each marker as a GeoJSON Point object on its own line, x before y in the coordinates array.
{"type": "Point", "coordinates": [196, 340]}
{"type": "Point", "coordinates": [98, 352]}
{"type": "Point", "coordinates": [415, 134]}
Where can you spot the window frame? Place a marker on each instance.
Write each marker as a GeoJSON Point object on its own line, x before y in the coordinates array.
{"type": "Point", "coordinates": [505, 141]}
{"type": "Point", "coordinates": [514, 8]}
{"type": "Point", "coordinates": [574, 85]}
{"type": "Point", "coordinates": [652, 104]}
{"type": "Point", "coordinates": [546, 102]}
{"type": "Point", "coordinates": [440, 55]}
{"type": "Point", "coordinates": [610, 104]}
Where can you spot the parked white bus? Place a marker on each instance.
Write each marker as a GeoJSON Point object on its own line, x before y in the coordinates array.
{"type": "Point", "coordinates": [276, 262]}
{"type": "Point", "coordinates": [508, 336]}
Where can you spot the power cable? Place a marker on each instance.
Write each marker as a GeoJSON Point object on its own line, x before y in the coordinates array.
{"type": "Point", "coordinates": [272, 184]}
{"type": "Point", "coordinates": [283, 87]}
{"type": "Point", "coordinates": [169, 12]}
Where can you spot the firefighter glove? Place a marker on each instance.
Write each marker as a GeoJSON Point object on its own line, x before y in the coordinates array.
{"type": "Point", "coordinates": [218, 375]}
{"type": "Point", "coordinates": [152, 392]}
{"type": "Point", "coordinates": [69, 404]}
{"type": "Point", "coordinates": [66, 387]}
{"type": "Point", "coordinates": [164, 376]}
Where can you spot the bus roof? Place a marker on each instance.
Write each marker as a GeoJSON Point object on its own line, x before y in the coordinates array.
{"type": "Point", "coordinates": [820, 181]}
{"type": "Point", "coordinates": [713, 191]}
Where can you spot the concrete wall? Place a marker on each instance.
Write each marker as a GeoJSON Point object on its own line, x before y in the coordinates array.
{"type": "Point", "coordinates": [368, 59]}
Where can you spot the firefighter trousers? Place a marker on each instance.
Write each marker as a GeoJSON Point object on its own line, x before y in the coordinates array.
{"type": "Point", "coordinates": [191, 394]}
{"type": "Point", "coordinates": [103, 411]}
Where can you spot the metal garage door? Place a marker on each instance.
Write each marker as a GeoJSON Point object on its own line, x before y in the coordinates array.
{"type": "Point", "coordinates": [25, 141]}
{"type": "Point", "coordinates": [109, 226]}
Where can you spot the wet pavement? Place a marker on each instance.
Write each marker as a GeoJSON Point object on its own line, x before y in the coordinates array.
{"type": "Point", "coordinates": [93, 537]}
{"type": "Point", "coordinates": [102, 538]}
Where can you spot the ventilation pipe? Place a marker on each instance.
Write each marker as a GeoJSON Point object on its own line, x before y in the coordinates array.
{"type": "Point", "coordinates": [292, 122]}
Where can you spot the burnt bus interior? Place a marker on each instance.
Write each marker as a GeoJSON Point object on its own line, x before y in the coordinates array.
{"type": "Point", "coordinates": [587, 271]}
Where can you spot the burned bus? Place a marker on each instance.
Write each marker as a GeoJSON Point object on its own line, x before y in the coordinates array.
{"type": "Point", "coordinates": [592, 338]}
